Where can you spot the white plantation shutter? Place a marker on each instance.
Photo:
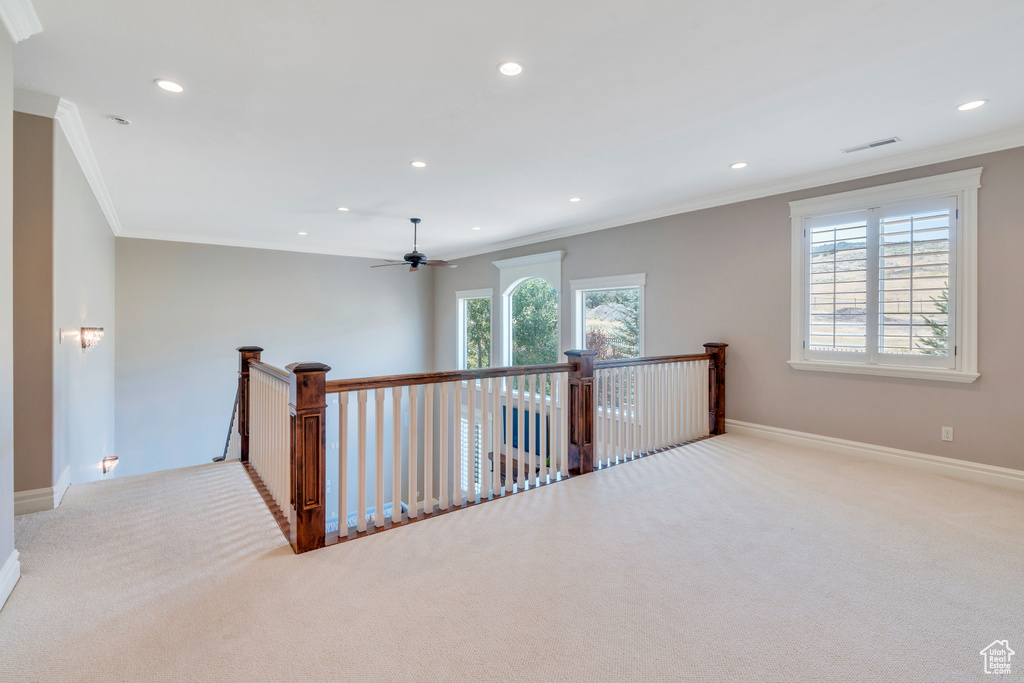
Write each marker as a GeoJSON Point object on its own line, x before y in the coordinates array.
{"type": "Point", "coordinates": [470, 458]}
{"type": "Point", "coordinates": [878, 284]}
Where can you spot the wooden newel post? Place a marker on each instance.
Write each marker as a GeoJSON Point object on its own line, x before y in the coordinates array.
{"type": "Point", "coordinates": [581, 411]}
{"type": "Point", "coordinates": [246, 354]}
{"type": "Point", "coordinates": [716, 381]}
{"type": "Point", "coordinates": [309, 454]}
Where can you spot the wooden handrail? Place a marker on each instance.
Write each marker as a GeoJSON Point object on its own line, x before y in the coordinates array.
{"type": "Point", "coordinates": [269, 369]}
{"type": "Point", "coordinates": [388, 381]}
{"type": "Point", "coordinates": [649, 360]}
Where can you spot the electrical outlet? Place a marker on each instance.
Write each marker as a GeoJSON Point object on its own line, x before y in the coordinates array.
{"type": "Point", "coordinates": [947, 433]}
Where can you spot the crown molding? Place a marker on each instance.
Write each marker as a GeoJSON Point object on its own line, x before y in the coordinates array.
{"type": "Point", "coordinates": [957, 150]}
{"type": "Point", "coordinates": [250, 244]}
{"type": "Point", "coordinates": [20, 18]}
{"type": "Point", "coordinates": [71, 122]}
{"type": "Point", "coordinates": [35, 103]}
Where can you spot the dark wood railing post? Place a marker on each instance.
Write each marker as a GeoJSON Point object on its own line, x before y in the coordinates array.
{"type": "Point", "coordinates": [246, 354]}
{"type": "Point", "coordinates": [716, 381]}
{"type": "Point", "coordinates": [309, 454]}
{"type": "Point", "coordinates": [581, 411]}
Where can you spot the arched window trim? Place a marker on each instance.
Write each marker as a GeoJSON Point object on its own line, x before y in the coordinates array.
{"type": "Point", "coordinates": [513, 272]}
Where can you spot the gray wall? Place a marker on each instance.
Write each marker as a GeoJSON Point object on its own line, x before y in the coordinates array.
{"type": "Point", "coordinates": [83, 295]}
{"type": "Point", "coordinates": [182, 309]}
{"type": "Point", "coordinates": [6, 299]}
{"type": "Point", "coordinates": [723, 274]}
{"type": "Point", "coordinates": [33, 302]}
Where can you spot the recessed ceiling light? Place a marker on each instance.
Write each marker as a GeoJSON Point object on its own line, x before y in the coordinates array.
{"type": "Point", "coordinates": [973, 104]}
{"type": "Point", "coordinates": [303, 233]}
{"type": "Point", "coordinates": [510, 68]}
{"type": "Point", "coordinates": [476, 227]}
{"type": "Point", "coordinates": [418, 164]}
{"type": "Point", "coordinates": [738, 165]}
{"type": "Point", "coordinates": [342, 208]}
{"type": "Point", "coordinates": [169, 86]}
{"type": "Point", "coordinates": [575, 199]}
{"type": "Point", "coordinates": [120, 121]}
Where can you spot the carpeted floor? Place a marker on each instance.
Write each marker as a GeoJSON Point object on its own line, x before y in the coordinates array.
{"type": "Point", "coordinates": [731, 559]}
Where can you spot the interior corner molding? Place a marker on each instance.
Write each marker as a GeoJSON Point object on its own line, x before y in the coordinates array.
{"type": "Point", "coordinates": [20, 18]}
{"type": "Point", "coordinates": [38, 500]}
{"type": "Point", "coordinates": [71, 122]}
{"type": "Point", "coordinates": [10, 572]}
{"type": "Point", "coordinates": [937, 464]}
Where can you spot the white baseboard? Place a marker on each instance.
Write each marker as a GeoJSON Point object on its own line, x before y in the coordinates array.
{"type": "Point", "coordinates": [961, 469]}
{"type": "Point", "coordinates": [9, 575]}
{"type": "Point", "coordinates": [48, 498]}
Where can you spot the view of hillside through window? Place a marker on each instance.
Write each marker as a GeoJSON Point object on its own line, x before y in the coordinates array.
{"type": "Point", "coordinates": [611, 322]}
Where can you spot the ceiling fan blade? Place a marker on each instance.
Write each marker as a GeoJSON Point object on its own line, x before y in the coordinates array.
{"type": "Point", "coordinates": [440, 264]}
{"type": "Point", "coordinates": [385, 265]}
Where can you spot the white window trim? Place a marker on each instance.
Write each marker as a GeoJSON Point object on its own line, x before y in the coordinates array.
{"type": "Point", "coordinates": [964, 186]}
{"type": "Point", "coordinates": [579, 287]}
{"type": "Point", "coordinates": [513, 271]}
{"type": "Point", "coordinates": [460, 298]}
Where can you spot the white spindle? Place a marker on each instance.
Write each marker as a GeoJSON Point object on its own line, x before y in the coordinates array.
{"type": "Point", "coordinates": [507, 436]}
{"type": "Point", "coordinates": [485, 481]}
{"type": "Point", "coordinates": [563, 424]}
{"type": "Point", "coordinates": [343, 464]}
{"type": "Point", "coordinates": [496, 437]}
{"type": "Point", "coordinates": [378, 423]}
{"type": "Point", "coordinates": [361, 488]}
{"type": "Point", "coordinates": [471, 492]}
{"type": "Point", "coordinates": [521, 437]}
{"type": "Point", "coordinates": [544, 450]}
{"type": "Point", "coordinates": [396, 454]}
{"type": "Point", "coordinates": [414, 467]}
{"type": "Point", "coordinates": [445, 389]}
{"type": "Point", "coordinates": [457, 479]}
{"type": "Point", "coordinates": [428, 448]}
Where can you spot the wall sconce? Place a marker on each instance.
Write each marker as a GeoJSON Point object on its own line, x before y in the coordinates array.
{"type": "Point", "coordinates": [109, 463]}
{"type": "Point", "coordinates": [91, 337]}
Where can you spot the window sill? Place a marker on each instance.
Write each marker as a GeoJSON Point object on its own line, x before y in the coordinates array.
{"type": "Point", "coordinates": [906, 372]}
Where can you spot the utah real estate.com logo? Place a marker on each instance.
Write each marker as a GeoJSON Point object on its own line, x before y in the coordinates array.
{"type": "Point", "coordinates": [997, 657]}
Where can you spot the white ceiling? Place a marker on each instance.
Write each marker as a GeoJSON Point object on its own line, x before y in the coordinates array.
{"type": "Point", "coordinates": [292, 109]}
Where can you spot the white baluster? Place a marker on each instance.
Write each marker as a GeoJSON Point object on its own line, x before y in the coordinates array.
{"type": "Point", "coordinates": [414, 464]}
{"type": "Point", "coordinates": [485, 481]}
{"type": "Point", "coordinates": [396, 454]}
{"type": "Point", "coordinates": [563, 424]}
{"type": "Point", "coordinates": [361, 489]}
{"type": "Point", "coordinates": [343, 464]}
{"type": "Point", "coordinates": [471, 492]}
{"type": "Point", "coordinates": [544, 451]}
{"type": "Point", "coordinates": [521, 427]}
{"type": "Point", "coordinates": [445, 388]}
{"type": "Point", "coordinates": [458, 444]}
{"type": "Point", "coordinates": [507, 437]}
{"type": "Point", "coordinates": [378, 423]}
{"type": "Point", "coordinates": [428, 449]}
{"type": "Point", "coordinates": [496, 437]}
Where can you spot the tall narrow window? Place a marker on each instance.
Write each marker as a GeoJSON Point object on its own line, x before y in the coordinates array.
{"type": "Point", "coordinates": [474, 319]}
{"type": "Point", "coordinates": [534, 318]}
{"type": "Point", "coordinates": [888, 280]}
{"type": "Point", "coordinates": [608, 315]}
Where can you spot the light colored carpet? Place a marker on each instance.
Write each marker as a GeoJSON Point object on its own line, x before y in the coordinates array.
{"type": "Point", "coordinates": [731, 559]}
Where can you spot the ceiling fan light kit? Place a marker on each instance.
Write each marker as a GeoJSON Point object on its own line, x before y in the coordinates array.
{"type": "Point", "coordinates": [415, 258]}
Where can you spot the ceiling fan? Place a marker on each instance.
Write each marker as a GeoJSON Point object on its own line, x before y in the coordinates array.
{"type": "Point", "coordinates": [414, 258]}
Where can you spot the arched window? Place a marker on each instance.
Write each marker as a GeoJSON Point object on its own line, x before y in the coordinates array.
{"type": "Point", "coordinates": [534, 323]}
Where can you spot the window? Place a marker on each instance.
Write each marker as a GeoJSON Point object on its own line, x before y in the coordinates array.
{"type": "Point", "coordinates": [608, 315]}
{"type": "Point", "coordinates": [474, 320]}
{"type": "Point", "coordinates": [531, 308]}
{"type": "Point", "coordinates": [885, 280]}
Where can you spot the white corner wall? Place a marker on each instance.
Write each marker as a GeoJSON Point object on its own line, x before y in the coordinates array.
{"type": "Point", "coordinates": [83, 295]}
{"type": "Point", "coordinates": [183, 309]}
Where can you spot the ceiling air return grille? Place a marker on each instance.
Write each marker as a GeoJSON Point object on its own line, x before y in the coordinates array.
{"type": "Point", "coordinates": [869, 145]}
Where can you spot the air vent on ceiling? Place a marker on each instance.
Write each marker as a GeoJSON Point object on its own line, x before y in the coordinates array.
{"type": "Point", "coordinates": [869, 145]}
